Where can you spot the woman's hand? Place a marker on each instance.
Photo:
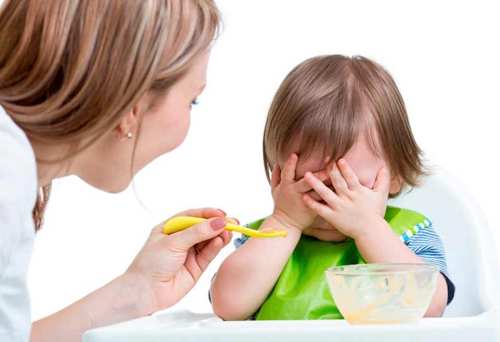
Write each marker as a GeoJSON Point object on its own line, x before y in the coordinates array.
{"type": "Point", "coordinates": [163, 272]}
{"type": "Point", "coordinates": [170, 265]}
{"type": "Point", "coordinates": [289, 207]}
{"type": "Point", "coordinates": [352, 208]}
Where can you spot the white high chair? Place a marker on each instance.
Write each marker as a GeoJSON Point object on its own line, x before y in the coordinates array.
{"type": "Point", "coordinates": [474, 314]}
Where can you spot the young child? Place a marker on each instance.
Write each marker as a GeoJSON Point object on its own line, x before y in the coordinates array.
{"type": "Point", "coordinates": [339, 143]}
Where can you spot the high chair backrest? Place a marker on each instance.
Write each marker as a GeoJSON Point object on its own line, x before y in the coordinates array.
{"type": "Point", "coordinates": [469, 243]}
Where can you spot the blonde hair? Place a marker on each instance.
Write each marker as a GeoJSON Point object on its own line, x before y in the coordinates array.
{"type": "Point", "coordinates": [326, 102]}
{"type": "Point", "coordinates": [69, 69]}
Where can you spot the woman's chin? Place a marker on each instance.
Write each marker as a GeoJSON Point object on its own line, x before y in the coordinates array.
{"type": "Point", "coordinates": [112, 186]}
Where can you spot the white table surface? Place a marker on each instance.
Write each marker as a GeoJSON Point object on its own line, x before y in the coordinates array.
{"type": "Point", "coordinates": [187, 326]}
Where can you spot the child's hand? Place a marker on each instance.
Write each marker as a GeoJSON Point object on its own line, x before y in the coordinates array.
{"type": "Point", "coordinates": [289, 207]}
{"type": "Point", "coordinates": [352, 208]}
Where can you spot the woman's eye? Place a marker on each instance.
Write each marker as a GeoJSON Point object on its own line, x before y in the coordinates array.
{"type": "Point", "coordinates": [194, 102]}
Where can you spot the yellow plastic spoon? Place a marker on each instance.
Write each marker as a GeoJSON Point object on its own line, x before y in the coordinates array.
{"type": "Point", "coordinates": [179, 223]}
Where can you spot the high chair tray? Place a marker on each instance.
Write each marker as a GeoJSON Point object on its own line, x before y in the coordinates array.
{"type": "Point", "coordinates": [187, 326]}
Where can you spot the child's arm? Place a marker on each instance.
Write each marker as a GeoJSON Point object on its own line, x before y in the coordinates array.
{"type": "Point", "coordinates": [247, 276]}
{"type": "Point", "coordinates": [358, 212]}
{"type": "Point", "coordinates": [380, 245]}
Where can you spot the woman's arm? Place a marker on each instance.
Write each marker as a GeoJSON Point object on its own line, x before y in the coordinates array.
{"type": "Point", "coordinates": [124, 298]}
{"type": "Point", "coordinates": [163, 272]}
{"type": "Point", "coordinates": [247, 276]}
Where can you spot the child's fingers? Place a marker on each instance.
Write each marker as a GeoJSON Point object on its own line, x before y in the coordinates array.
{"type": "Point", "coordinates": [288, 172]}
{"type": "Point", "coordinates": [383, 181]}
{"type": "Point", "coordinates": [275, 176]}
{"type": "Point", "coordinates": [338, 181]}
{"type": "Point", "coordinates": [322, 210]}
{"type": "Point", "coordinates": [314, 195]}
{"type": "Point", "coordinates": [321, 189]}
{"type": "Point", "coordinates": [322, 175]}
{"type": "Point", "coordinates": [348, 174]}
{"type": "Point", "coordinates": [303, 186]}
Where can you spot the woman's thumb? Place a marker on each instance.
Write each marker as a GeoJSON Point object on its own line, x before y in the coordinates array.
{"type": "Point", "coordinates": [197, 233]}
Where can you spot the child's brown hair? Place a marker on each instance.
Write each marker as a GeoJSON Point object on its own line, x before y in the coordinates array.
{"type": "Point", "coordinates": [326, 102]}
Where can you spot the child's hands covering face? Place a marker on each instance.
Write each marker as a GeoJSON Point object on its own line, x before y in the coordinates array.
{"type": "Point", "coordinates": [289, 207]}
{"type": "Point", "coordinates": [352, 207]}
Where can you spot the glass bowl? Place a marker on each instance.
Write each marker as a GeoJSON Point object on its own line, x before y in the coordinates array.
{"type": "Point", "coordinates": [382, 293]}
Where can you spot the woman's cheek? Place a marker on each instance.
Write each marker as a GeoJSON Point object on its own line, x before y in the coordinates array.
{"type": "Point", "coordinates": [182, 129]}
{"type": "Point", "coordinates": [174, 130]}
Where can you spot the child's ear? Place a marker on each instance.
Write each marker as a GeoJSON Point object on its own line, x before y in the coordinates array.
{"type": "Point", "coordinates": [395, 186]}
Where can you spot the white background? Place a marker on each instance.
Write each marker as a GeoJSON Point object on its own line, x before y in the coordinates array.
{"type": "Point", "coordinates": [444, 56]}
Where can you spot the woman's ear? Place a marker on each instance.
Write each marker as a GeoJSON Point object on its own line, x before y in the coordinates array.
{"type": "Point", "coordinates": [129, 123]}
{"type": "Point", "coordinates": [127, 126]}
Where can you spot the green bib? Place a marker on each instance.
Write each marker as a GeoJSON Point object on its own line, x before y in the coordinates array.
{"type": "Point", "coordinates": [301, 291]}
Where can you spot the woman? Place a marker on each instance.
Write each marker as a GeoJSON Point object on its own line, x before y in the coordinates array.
{"type": "Point", "coordinates": [98, 89]}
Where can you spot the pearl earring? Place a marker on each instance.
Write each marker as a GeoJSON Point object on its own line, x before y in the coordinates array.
{"type": "Point", "coordinates": [129, 135]}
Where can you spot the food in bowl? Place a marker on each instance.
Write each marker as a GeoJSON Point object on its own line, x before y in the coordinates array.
{"type": "Point", "coordinates": [382, 293]}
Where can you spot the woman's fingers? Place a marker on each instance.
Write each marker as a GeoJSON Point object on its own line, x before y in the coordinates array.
{"type": "Point", "coordinates": [225, 236]}
{"type": "Point", "coordinates": [210, 249]}
{"type": "Point", "coordinates": [199, 247]}
{"type": "Point", "coordinates": [203, 213]}
{"type": "Point", "coordinates": [288, 172]}
{"type": "Point", "coordinates": [187, 238]}
{"type": "Point", "coordinates": [232, 220]}
{"type": "Point", "coordinates": [209, 252]}
{"type": "Point", "coordinates": [321, 189]}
